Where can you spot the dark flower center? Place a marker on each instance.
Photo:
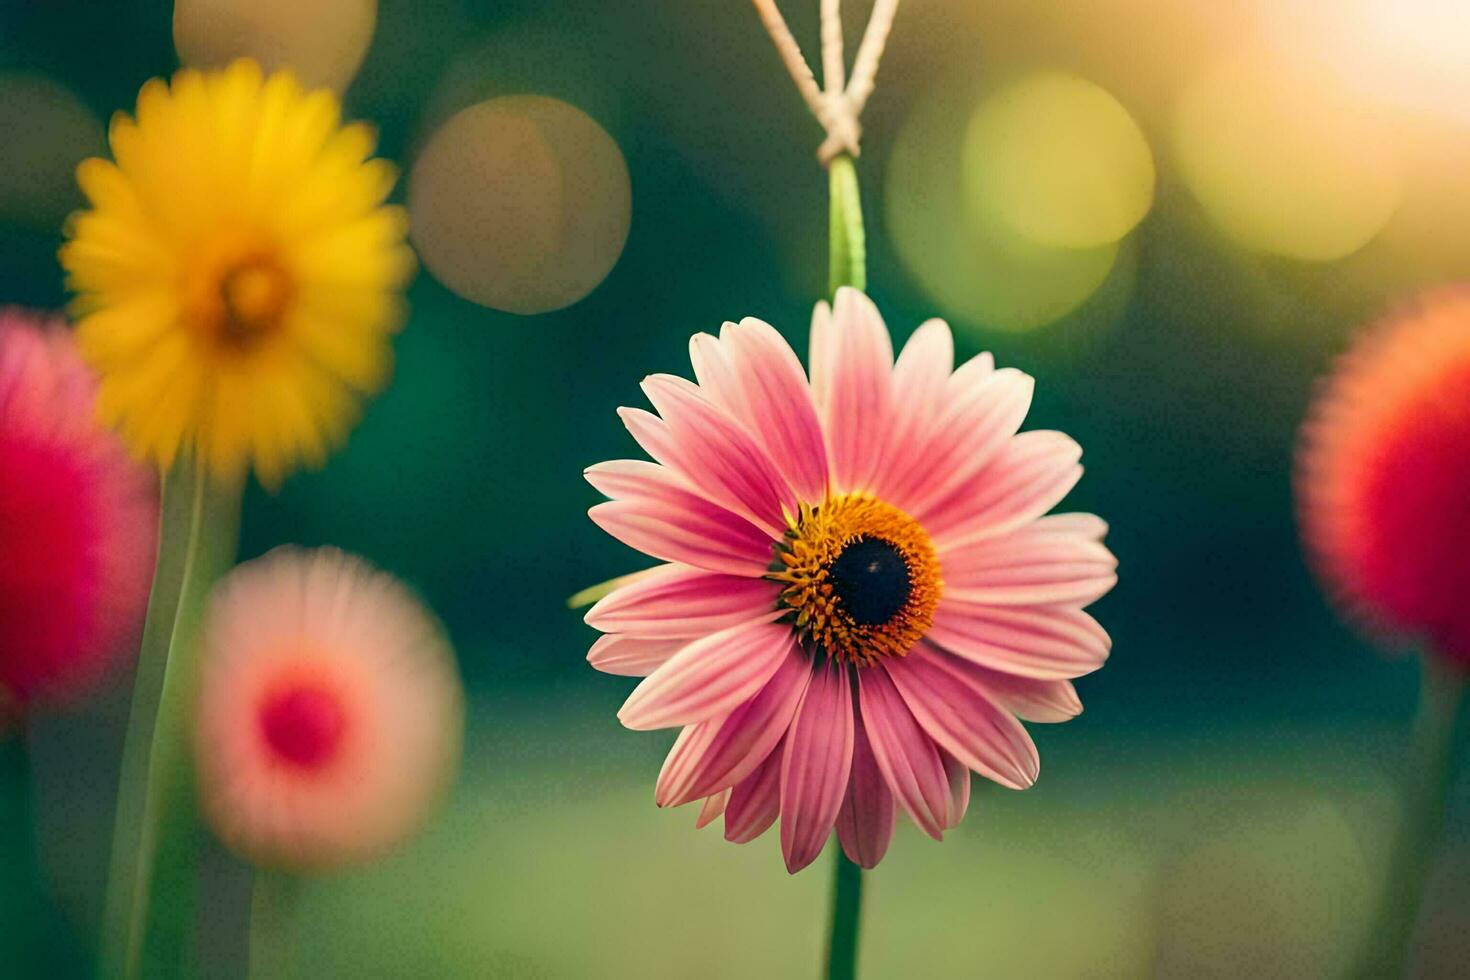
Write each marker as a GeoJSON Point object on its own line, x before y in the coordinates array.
{"type": "Point", "coordinates": [859, 577]}
{"type": "Point", "coordinates": [253, 297]}
{"type": "Point", "coordinates": [871, 580]}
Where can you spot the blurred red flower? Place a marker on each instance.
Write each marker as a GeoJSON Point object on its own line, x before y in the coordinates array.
{"type": "Point", "coordinates": [78, 521]}
{"type": "Point", "coordinates": [1383, 481]}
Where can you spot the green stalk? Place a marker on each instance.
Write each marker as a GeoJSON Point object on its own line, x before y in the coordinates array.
{"type": "Point", "coordinates": [30, 921]}
{"type": "Point", "coordinates": [848, 258]}
{"type": "Point", "coordinates": [1427, 780]}
{"type": "Point", "coordinates": [273, 901]}
{"type": "Point", "coordinates": [848, 255]}
{"type": "Point", "coordinates": [847, 905]}
{"type": "Point", "coordinates": [22, 901]}
{"type": "Point", "coordinates": [155, 834]}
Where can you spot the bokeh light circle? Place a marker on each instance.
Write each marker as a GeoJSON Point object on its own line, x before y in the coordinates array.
{"type": "Point", "coordinates": [47, 132]}
{"type": "Point", "coordinates": [976, 267]}
{"type": "Point", "coordinates": [1283, 162]}
{"type": "Point", "coordinates": [1407, 56]}
{"type": "Point", "coordinates": [1059, 161]}
{"type": "Point", "coordinates": [322, 41]}
{"type": "Point", "coordinates": [521, 203]}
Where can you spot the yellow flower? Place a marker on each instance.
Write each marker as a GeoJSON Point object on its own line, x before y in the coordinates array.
{"type": "Point", "coordinates": [237, 275]}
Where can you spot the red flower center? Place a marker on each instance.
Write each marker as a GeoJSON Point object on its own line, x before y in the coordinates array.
{"type": "Point", "coordinates": [303, 726]}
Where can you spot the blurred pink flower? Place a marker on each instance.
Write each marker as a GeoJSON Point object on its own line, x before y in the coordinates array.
{"type": "Point", "coordinates": [861, 593]}
{"type": "Point", "coordinates": [78, 521]}
{"type": "Point", "coordinates": [330, 711]}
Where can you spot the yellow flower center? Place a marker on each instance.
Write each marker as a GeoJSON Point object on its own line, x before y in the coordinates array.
{"type": "Point", "coordinates": [237, 294]}
{"type": "Point", "coordinates": [861, 577]}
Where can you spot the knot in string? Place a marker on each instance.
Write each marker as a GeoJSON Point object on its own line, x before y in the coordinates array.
{"type": "Point", "coordinates": [844, 131]}
{"type": "Point", "coordinates": [837, 108]}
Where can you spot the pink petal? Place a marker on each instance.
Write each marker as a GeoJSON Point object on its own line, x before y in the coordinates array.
{"type": "Point", "coordinates": [777, 404]}
{"type": "Point", "coordinates": [969, 374]}
{"type": "Point", "coordinates": [1044, 642]}
{"type": "Point", "coordinates": [1033, 565]}
{"type": "Point", "coordinates": [689, 530]}
{"type": "Point", "coordinates": [755, 801]}
{"type": "Point", "coordinates": [638, 479]}
{"type": "Point", "coordinates": [713, 807]}
{"type": "Point", "coordinates": [965, 722]}
{"type": "Point", "coordinates": [629, 657]}
{"type": "Point", "coordinates": [685, 752]}
{"type": "Point", "coordinates": [716, 453]}
{"type": "Point", "coordinates": [815, 766]}
{"type": "Point", "coordinates": [821, 355]}
{"type": "Point", "coordinates": [678, 601]}
{"type": "Point", "coordinates": [966, 438]}
{"type": "Point", "coordinates": [905, 464]}
{"type": "Point", "coordinates": [716, 374]}
{"type": "Point", "coordinates": [865, 822]}
{"type": "Point", "coordinates": [710, 677]}
{"type": "Point", "coordinates": [734, 745]}
{"type": "Point", "coordinates": [919, 378]}
{"type": "Point", "coordinates": [1028, 477]}
{"type": "Point", "coordinates": [1088, 526]}
{"type": "Point", "coordinates": [1025, 697]}
{"type": "Point", "coordinates": [959, 789]}
{"type": "Point", "coordinates": [905, 755]}
{"type": "Point", "coordinates": [924, 365]}
{"type": "Point", "coordinates": [685, 521]}
{"type": "Point", "coordinates": [649, 431]}
{"type": "Point", "coordinates": [852, 385]}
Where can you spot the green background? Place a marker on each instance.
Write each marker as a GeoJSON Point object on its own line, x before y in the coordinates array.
{"type": "Point", "coordinates": [1221, 807]}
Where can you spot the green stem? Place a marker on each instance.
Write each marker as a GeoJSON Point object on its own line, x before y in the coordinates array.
{"type": "Point", "coordinates": [21, 900]}
{"type": "Point", "coordinates": [848, 253]}
{"type": "Point", "coordinates": [847, 903]}
{"type": "Point", "coordinates": [848, 267]}
{"type": "Point", "coordinates": [1427, 785]}
{"type": "Point", "coordinates": [155, 832]}
{"type": "Point", "coordinates": [273, 902]}
{"type": "Point", "coordinates": [33, 932]}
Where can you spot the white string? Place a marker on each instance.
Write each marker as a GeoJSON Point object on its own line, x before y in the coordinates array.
{"type": "Point", "coordinates": [841, 124]}
{"type": "Point", "coordinates": [790, 53]}
{"type": "Point", "coordinates": [870, 51]}
{"type": "Point", "coordinates": [837, 108]}
{"type": "Point", "coordinates": [832, 61]}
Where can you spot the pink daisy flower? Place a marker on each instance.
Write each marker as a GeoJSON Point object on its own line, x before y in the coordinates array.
{"type": "Point", "coordinates": [330, 710]}
{"type": "Point", "coordinates": [861, 594]}
{"type": "Point", "coordinates": [78, 522]}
